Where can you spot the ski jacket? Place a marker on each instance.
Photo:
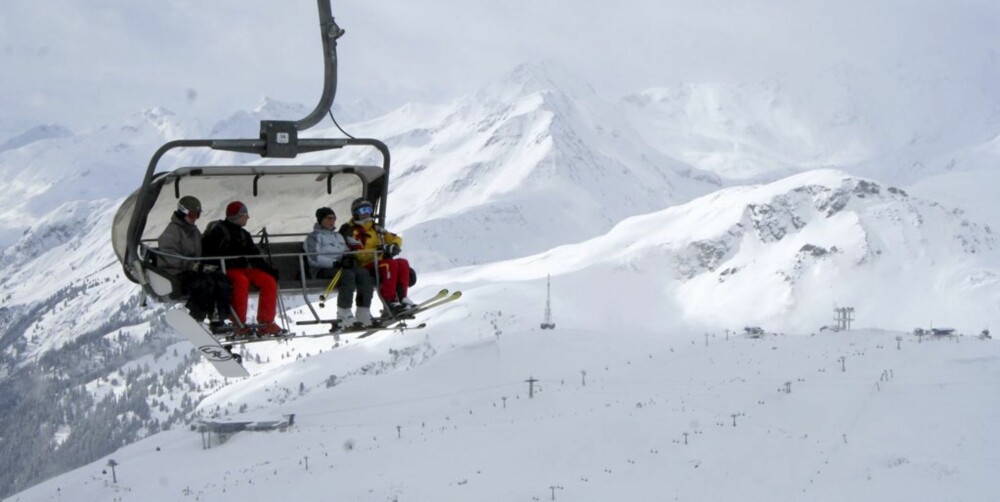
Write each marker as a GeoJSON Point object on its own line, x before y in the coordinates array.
{"type": "Point", "coordinates": [370, 238]}
{"type": "Point", "coordinates": [179, 238]}
{"type": "Point", "coordinates": [224, 238]}
{"type": "Point", "coordinates": [326, 247]}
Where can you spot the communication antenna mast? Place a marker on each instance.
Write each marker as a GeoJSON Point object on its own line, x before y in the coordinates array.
{"type": "Point", "coordinates": [547, 323]}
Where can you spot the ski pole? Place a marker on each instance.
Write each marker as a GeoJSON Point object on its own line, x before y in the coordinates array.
{"type": "Point", "coordinates": [329, 287]}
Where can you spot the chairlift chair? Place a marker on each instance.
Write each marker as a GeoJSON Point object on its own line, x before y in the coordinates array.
{"type": "Point", "coordinates": [281, 198]}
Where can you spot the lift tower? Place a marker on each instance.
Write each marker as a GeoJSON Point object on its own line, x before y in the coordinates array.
{"type": "Point", "coordinates": [547, 323]}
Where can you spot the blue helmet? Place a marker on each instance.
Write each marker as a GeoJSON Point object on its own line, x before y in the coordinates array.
{"type": "Point", "coordinates": [362, 209]}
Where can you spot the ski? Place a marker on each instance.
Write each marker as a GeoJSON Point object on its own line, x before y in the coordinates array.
{"type": "Point", "coordinates": [363, 329]}
{"type": "Point", "coordinates": [335, 323]}
{"type": "Point", "coordinates": [231, 340]}
{"type": "Point", "coordinates": [407, 315]}
{"type": "Point", "coordinates": [227, 363]}
{"type": "Point", "coordinates": [440, 294]}
{"type": "Point", "coordinates": [424, 306]}
{"type": "Point", "coordinates": [228, 338]}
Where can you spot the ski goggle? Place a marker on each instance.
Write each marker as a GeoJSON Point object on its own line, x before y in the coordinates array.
{"type": "Point", "coordinates": [364, 211]}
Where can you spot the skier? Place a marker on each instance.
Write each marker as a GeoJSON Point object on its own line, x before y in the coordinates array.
{"type": "Point", "coordinates": [228, 238]}
{"type": "Point", "coordinates": [327, 254]}
{"type": "Point", "coordinates": [372, 240]}
{"type": "Point", "coordinates": [207, 289]}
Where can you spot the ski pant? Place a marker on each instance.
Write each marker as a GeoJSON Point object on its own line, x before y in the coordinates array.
{"type": "Point", "coordinates": [394, 274]}
{"type": "Point", "coordinates": [351, 279]}
{"type": "Point", "coordinates": [242, 278]}
{"type": "Point", "coordinates": [207, 293]}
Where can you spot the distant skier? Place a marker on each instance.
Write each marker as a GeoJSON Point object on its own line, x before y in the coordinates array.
{"type": "Point", "coordinates": [326, 250]}
{"type": "Point", "coordinates": [207, 289]}
{"type": "Point", "coordinates": [228, 238]}
{"type": "Point", "coordinates": [372, 240]}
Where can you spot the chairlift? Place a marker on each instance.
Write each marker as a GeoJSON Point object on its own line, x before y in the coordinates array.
{"type": "Point", "coordinates": [281, 198]}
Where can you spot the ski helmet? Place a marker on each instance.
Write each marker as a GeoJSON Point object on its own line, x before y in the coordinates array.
{"type": "Point", "coordinates": [189, 204]}
{"type": "Point", "coordinates": [362, 209]}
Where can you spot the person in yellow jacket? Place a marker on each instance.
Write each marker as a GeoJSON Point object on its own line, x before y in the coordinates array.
{"type": "Point", "coordinates": [372, 240]}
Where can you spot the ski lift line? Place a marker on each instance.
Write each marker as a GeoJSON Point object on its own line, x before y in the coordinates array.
{"type": "Point", "coordinates": [415, 399]}
{"type": "Point", "coordinates": [845, 382]}
{"type": "Point", "coordinates": [519, 383]}
{"type": "Point", "coordinates": [756, 423]}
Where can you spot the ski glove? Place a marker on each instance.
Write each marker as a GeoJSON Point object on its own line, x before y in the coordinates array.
{"type": "Point", "coordinates": [392, 250]}
{"type": "Point", "coordinates": [207, 268]}
{"type": "Point", "coordinates": [346, 261]}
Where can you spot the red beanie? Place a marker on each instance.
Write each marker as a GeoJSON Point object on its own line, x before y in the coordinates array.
{"type": "Point", "coordinates": [236, 208]}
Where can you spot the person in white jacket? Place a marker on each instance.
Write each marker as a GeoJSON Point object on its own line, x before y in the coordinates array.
{"type": "Point", "coordinates": [328, 251]}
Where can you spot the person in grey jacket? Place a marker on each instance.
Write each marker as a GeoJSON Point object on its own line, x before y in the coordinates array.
{"type": "Point", "coordinates": [207, 289]}
{"type": "Point", "coordinates": [328, 251]}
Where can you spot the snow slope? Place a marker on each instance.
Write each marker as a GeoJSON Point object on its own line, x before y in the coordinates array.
{"type": "Point", "coordinates": [533, 160]}
{"type": "Point", "coordinates": [783, 254]}
{"type": "Point", "coordinates": [106, 162]}
{"type": "Point", "coordinates": [616, 415]}
{"type": "Point", "coordinates": [64, 262]}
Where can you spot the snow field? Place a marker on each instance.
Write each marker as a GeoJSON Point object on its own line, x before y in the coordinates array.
{"type": "Point", "coordinates": [650, 419]}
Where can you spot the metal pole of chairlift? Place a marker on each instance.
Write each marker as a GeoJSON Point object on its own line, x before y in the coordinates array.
{"type": "Point", "coordinates": [329, 33]}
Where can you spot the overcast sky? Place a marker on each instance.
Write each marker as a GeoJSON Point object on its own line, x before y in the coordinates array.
{"type": "Point", "coordinates": [87, 62]}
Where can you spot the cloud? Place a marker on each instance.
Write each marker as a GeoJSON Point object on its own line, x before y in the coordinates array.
{"type": "Point", "coordinates": [108, 59]}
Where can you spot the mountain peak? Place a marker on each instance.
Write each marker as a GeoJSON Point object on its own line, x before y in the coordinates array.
{"type": "Point", "coordinates": [538, 78]}
{"type": "Point", "coordinates": [37, 133]}
{"type": "Point", "coordinates": [244, 124]}
{"type": "Point", "coordinates": [157, 115]}
{"type": "Point", "coordinates": [273, 109]}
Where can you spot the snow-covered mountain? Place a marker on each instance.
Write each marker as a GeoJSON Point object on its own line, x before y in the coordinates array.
{"type": "Point", "coordinates": [106, 162]}
{"type": "Point", "coordinates": [64, 260]}
{"type": "Point", "coordinates": [784, 254]}
{"type": "Point", "coordinates": [743, 132]}
{"type": "Point", "coordinates": [37, 133]}
{"type": "Point", "coordinates": [531, 176]}
{"type": "Point", "coordinates": [532, 160]}
{"type": "Point", "coordinates": [895, 127]}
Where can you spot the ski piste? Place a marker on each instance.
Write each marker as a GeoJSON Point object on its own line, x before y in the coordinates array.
{"type": "Point", "coordinates": [227, 363]}
{"type": "Point", "coordinates": [401, 317]}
